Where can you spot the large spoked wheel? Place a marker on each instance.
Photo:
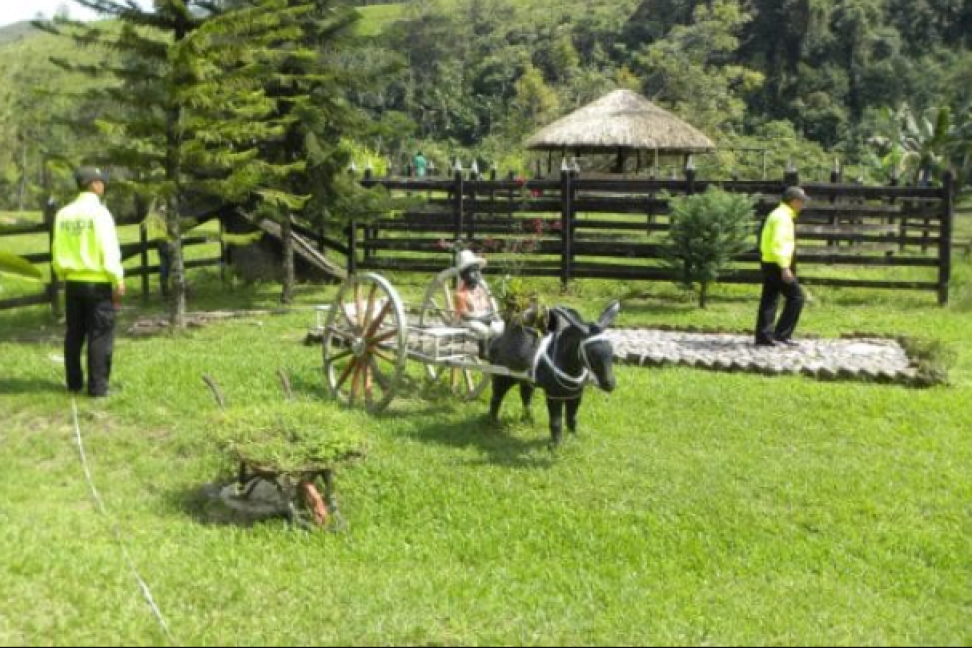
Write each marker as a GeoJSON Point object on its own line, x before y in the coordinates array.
{"type": "Point", "coordinates": [439, 311]}
{"type": "Point", "coordinates": [365, 353]}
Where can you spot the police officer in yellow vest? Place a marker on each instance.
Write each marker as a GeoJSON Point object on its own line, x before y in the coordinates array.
{"type": "Point", "coordinates": [778, 250]}
{"type": "Point", "coordinates": [87, 257]}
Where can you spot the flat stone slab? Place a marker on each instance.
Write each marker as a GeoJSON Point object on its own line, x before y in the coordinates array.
{"type": "Point", "coordinates": [869, 359]}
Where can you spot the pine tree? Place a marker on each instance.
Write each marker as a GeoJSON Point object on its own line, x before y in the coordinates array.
{"type": "Point", "coordinates": [309, 89]}
{"type": "Point", "coordinates": [147, 132]}
{"type": "Point", "coordinates": [241, 103]}
{"type": "Point", "coordinates": [708, 232]}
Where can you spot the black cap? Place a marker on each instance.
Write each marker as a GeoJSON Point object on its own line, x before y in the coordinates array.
{"type": "Point", "coordinates": [795, 193]}
{"type": "Point", "coordinates": [88, 174]}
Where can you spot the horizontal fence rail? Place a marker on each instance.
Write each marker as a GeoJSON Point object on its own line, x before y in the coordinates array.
{"type": "Point", "coordinates": [51, 291]}
{"type": "Point", "coordinates": [576, 227]}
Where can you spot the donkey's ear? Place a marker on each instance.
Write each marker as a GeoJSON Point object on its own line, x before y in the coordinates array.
{"type": "Point", "coordinates": [610, 316]}
{"type": "Point", "coordinates": [561, 319]}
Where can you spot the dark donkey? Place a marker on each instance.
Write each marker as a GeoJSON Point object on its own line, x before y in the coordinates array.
{"type": "Point", "coordinates": [561, 364]}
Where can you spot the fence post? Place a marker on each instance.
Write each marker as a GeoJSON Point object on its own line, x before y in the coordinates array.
{"type": "Point", "coordinates": [53, 289]}
{"type": "Point", "coordinates": [353, 247]}
{"type": "Point", "coordinates": [459, 196]}
{"type": "Point", "coordinates": [945, 244]}
{"type": "Point", "coordinates": [474, 177]}
{"type": "Point", "coordinates": [566, 225]}
{"type": "Point", "coordinates": [143, 243]}
{"type": "Point", "coordinates": [510, 196]}
{"type": "Point", "coordinates": [836, 177]}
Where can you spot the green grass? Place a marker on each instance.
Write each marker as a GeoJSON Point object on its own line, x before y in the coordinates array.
{"type": "Point", "coordinates": [376, 19]}
{"type": "Point", "coordinates": [694, 507]}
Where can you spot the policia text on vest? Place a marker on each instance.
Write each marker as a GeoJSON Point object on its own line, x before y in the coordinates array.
{"type": "Point", "coordinates": [86, 256]}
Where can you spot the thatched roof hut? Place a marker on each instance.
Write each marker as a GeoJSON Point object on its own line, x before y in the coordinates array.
{"type": "Point", "coordinates": [621, 122]}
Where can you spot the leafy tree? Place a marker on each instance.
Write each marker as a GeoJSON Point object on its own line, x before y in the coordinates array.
{"type": "Point", "coordinates": [708, 231]}
{"type": "Point", "coordinates": [692, 67]}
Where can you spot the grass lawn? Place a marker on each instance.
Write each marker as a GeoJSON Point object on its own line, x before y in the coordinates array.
{"type": "Point", "coordinates": [694, 508]}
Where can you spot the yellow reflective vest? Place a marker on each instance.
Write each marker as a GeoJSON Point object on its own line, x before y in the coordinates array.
{"type": "Point", "coordinates": [86, 243]}
{"type": "Point", "coordinates": [778, 243]}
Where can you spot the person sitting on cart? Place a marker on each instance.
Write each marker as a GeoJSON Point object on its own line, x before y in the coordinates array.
{"type": "Point", "coordinates": [474, 303]}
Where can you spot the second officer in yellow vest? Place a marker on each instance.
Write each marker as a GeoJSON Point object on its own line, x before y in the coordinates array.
{"type": "Point", "coordinates": [778, 251]}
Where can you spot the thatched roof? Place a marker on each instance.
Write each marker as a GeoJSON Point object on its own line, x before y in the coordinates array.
{"type": "Point", "coordinates": [625, 120]}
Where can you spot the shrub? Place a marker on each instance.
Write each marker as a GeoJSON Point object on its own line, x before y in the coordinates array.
{"type": "Point", "coordinates": [292, 437]}
{"type": "Point", "coordinates": [708, 231]}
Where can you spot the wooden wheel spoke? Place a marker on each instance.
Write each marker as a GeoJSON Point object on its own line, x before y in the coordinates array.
{"type": "Point", "coordinates": [340, 356]}
{"type": "Point", "coordinates": [380, 376]}
{"type": "Point", "coordinates": [383, 355]}
{"type": "Point", "coordinates": [371, 306]}
{"type": "Point", "coordinates": [369, 386]}
{"type": "Point", "coordinates": [470, 383]}
{"type": "Point", "coordinates": [352, 366]}
{"type": "Point", "coordinates": [373, 329]}
{"type": "Point", "coordinates": [355, 382]}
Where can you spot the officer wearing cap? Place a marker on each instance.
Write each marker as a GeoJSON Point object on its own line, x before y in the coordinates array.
{"type": "Point", "coordinates": [778, 251]}
{"type": "Point", "coordinates": [86, 256]}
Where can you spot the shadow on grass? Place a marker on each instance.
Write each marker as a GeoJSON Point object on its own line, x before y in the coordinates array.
{"type": "Point", "coordinates": [423, 408]}
{"type": "Point", "coordinates": [204, 506]}
{"type": "Point", "coordinates": [497, 445]}
{"type": "Point", "coordinates": [21, 386]}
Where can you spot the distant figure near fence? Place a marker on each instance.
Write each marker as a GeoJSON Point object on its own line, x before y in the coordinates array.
{"type": "Point", "coordinates": [421, 165]}
{"type": "Point", "coordinates": [778, 253]}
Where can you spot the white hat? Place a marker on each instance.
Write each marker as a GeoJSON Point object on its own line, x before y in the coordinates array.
{"type": "Point", "coordinates": [468, 258]}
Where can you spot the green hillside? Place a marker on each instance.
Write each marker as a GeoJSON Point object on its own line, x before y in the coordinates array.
{"type": "Point", "coordinates": [16, 32]}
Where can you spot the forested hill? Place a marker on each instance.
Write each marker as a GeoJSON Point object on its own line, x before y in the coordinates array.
{"type": "Point", "coordinates": [883, 84]}
{"type": "Point", "coordinates": [823, 69]}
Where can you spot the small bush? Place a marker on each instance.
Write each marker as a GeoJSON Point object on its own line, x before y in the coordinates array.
{"type": "Point", "coordinates": [708, 231]}
{"type": "Point", "coordinates": [292, 437]}
{"type": "Point", "coordinates": [933, 358]}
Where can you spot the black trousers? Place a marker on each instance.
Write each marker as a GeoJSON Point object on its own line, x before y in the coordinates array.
{"type": "Point", "coordinates": [767, 328]}
{"type": "Point", "coordinates": [91, 321]}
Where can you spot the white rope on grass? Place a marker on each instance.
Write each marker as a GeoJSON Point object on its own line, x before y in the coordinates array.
{"type": "Point", "coordinates": [116, 532]}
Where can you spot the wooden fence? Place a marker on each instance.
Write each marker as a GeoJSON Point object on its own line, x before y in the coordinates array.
{"type": "Point", "coordinates": [575, 227]}
{"type": "Point", "coordinates": [50, 294]}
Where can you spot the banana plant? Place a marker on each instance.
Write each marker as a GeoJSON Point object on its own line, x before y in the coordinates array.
{"type": "Point", "coordinates": [924, 144]}
{"type": "Point", "coordinates": [12, 264]}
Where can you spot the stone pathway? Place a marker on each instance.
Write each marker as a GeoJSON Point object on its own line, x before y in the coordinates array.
{"type": "Point", "coordinates": [876, 360]}
{"type": "Point", "coordinates": [860, 359]}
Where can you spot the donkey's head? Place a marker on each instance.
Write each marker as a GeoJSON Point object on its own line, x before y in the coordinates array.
{"type": "Point", "coordinates": [584, 344]}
